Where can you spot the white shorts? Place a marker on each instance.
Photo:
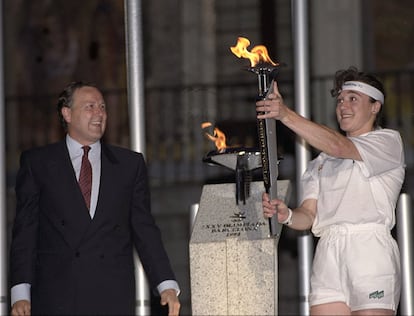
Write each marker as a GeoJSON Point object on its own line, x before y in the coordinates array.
{"type": "Point", "coordinates": [358, 265]}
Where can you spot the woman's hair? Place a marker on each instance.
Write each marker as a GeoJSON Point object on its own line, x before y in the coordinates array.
{"type": "Point", "coordinates": [352, 74]}
{"type": "Point", "coordinates": [66, 98]}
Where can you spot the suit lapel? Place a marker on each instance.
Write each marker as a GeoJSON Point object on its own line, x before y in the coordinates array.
{"type": "Point", "coordinates": [73, 208]}
{"type": "Point", "coordinates": [108, 174]}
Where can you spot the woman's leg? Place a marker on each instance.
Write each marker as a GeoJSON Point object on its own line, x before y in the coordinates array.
{"type": "Point", "coordinates": [331, 309]}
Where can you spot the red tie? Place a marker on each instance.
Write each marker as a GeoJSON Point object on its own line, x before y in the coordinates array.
{"type": "Point", "coordinates": [85, 177]}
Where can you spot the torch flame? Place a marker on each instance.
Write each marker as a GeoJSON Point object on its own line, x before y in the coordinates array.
{"type": "Point", "coordinates": [218, 137]}
{"type": "Point", "coordinates": [257, 54]}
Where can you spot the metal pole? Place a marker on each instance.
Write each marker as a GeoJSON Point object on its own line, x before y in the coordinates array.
{"type": "Point", "coordinates": [193, 214]}
{"type": "Point", "coordinates": [135, 73]}
{"type": "Point", "coordinates": [4, 302]}
{"type": "Point", "coordinates": [405, 237]}
{"type": "Point", "coordinates": [301, 62]}
{"type": "Point", "coordinates": [135, 80]}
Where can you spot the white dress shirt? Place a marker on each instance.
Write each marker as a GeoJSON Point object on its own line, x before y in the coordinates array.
{"type": "Point", "coordinates": [94, 155]}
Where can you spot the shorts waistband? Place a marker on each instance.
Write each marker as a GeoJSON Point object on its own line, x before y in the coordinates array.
{"type": "Point", "coordinates": [352, 228]}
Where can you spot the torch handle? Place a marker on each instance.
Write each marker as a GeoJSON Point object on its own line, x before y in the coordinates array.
{"type": "Point", "coordinates": [273, 160]}
{"type": "Point", "coordinates": [268, 151]}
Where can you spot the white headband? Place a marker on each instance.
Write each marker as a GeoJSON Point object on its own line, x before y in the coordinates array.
{"type": "Point", "coordinates": [364, 88]}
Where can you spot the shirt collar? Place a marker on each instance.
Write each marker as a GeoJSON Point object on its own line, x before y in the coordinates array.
{"type": "Point", "coordinates": [75, 148]}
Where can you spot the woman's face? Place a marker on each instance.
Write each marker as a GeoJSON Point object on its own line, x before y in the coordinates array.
{"type": "Point", "coordinates": [355, 112]}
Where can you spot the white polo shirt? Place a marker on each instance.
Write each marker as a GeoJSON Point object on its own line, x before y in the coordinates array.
{"type": "Point", "coordinates": [357, 192]}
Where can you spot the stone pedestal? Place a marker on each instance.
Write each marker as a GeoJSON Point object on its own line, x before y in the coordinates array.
{"type": "Point", "coordinates": [233, 261]}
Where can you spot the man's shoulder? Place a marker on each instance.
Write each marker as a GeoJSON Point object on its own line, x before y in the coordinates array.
{"type": "Point", "coordinates": [120, 152]}
{"type": "Point", "coordinates": [120, 149]}
{"type": "Point", "coordinates": [44, 149]}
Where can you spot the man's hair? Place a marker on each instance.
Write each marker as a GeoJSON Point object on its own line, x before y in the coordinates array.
{"type": "Point", "coordinates": [66, 98]}
{"type": "Point", "coordinates": [353, 74]}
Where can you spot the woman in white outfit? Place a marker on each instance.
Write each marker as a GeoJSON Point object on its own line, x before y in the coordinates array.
{"type": "Point", "coordinates": [350, 191]}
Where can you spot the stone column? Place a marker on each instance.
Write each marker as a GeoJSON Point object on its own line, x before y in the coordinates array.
{"type": "Point", "coordinates": [233, 261]}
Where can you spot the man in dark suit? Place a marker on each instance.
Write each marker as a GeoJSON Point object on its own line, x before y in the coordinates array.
{"type": "Point", "coordinates": [72, 254]}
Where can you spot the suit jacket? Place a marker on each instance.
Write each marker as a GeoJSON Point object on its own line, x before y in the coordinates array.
{"type": "Point", "coordinates": [75, 264]}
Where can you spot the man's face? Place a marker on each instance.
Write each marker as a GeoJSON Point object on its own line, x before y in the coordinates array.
{"type": "Point", "coordinates": [355, 112]}
{"type": "Point", "coordinates": [86, 118]}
